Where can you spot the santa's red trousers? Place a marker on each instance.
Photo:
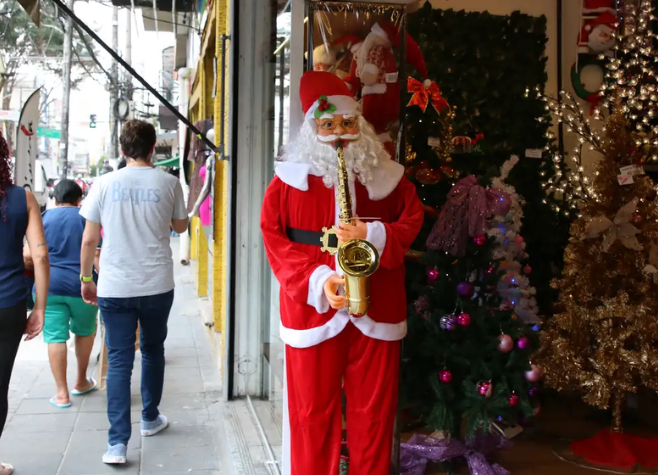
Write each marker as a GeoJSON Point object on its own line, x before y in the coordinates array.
{"type": "Point", "coordinates": [315, 375]}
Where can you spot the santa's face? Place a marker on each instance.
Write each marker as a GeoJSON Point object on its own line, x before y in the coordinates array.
{"type": "Point", "coordinates": [600, 39]}
{"type": "Point", "coordinates": [344, 128]}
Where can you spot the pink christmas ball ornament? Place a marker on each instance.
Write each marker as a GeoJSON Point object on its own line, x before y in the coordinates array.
{"type": "Point", "coordinates": [445, 376]}
{"type": "Point", "coordinates": [464, 319]}
{"type": "Point", "coordinates": [513, 400]}
{"type": "Point", "coordinates": [484, 388]}
{"type": "Point", "coordinates": [505, 343]}
{"type": "Point", "coordinates": [527, 270]}
{"type": "Point", "coordinates": [433, 275]}
{"type": "Point", "coordinates": [534, 374]}
{"type": "Point", "coordinates": [518, 240]}
{"type": "Point", "coordinates": [479, 240]}
{"type": "Point", "coordinates": [523, 343]}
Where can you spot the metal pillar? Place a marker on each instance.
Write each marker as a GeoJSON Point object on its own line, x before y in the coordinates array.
{"type": "Point", "coordinates": [66, 97]}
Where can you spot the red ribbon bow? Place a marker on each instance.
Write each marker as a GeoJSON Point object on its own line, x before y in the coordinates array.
{"type": "Point", "coordinates": [423, 95]}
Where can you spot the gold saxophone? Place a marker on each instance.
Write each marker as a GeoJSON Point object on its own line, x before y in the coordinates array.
{"type": "Point", "coordinates": [358, 259]}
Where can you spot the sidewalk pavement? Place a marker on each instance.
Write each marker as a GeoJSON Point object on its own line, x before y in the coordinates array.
{"type": "Point", "coordinates": [40, 439]}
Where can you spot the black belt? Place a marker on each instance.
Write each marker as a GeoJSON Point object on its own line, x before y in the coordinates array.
{"type": "Point", "coordinates": [310, 238]}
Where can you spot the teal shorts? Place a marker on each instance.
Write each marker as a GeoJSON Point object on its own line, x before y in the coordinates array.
{"type": "Point", "coordinates": [65, 315]}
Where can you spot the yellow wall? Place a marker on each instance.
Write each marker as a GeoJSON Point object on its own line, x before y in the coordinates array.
{"type": "Point", "coordinates": [221, 177]}
{"type": "Point", "coordinates": [207, 107]}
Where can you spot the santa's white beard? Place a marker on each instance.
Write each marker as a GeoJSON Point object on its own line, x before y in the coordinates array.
{"type": "Point", "coordinates": [361, 156]}
{"type": "Point", "coordinates": [599, 42]}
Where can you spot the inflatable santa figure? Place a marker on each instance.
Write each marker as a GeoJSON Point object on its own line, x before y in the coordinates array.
{"type": "Point", "coordinates": [326, 348]}
{"type": "Point", "coordinates": [377, 70]}
{"type": "Point", "coordinates": [597, 36]}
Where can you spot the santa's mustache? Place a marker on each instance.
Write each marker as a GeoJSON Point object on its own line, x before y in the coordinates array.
{"type": "Point", "coordinates": [333, 138]}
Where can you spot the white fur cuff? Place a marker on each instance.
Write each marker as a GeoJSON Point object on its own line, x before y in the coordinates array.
{"type": "Point", "coordinates": [374, 89]}
{"type": "Point", "coordinates": [377, 236]}
{"type": "Point", "coordinates": [369, 68]}
{"type": "Point", "coordinates": [316, 297]}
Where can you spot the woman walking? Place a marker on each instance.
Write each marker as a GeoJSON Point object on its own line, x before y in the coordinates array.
{"type": "Point", "coordinates": [66, 312]}
{"type": "Point", "coordinates": [20, 218]}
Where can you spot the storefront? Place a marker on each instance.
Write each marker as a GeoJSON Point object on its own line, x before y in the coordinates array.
{"type": "Point", "coordinates": [265, 55]}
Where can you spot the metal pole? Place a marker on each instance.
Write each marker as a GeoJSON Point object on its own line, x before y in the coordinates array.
{"type": "Point", "coordinates": [60, 4]}
{"type": "Point", "coordinates": [114, 91]}
{"type": "Point", "coordinates": [66, 96]}
{"type": "Point", "coordinates": [128, 56]}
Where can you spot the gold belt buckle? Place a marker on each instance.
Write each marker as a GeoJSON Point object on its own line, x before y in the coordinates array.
{"type": "Point", "coordinates": [327, 232]}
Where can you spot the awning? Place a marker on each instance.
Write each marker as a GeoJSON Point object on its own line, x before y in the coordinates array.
{"type": "Point", "coordinates": [170, 162]}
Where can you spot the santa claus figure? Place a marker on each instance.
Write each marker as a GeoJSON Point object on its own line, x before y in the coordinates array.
{"type": "Point", "coordinates": [376, 68]}
{"type": "Point", "coordinates": [326, 348]}
{"type": "Point", "coordinates": [337, 56]}
{"type": "Point", "coordinates": [597, 36]}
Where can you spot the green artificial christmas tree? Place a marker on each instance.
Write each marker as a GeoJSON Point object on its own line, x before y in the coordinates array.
{"type": "Point", "coordinates": [467, 356]}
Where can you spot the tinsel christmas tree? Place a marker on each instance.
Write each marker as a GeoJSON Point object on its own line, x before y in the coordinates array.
{"type": "Point", "coordinates": [466, 360]}
{"type": "Point", "coordinates": [602, 342]}
{"type": "Point", "coordinates": [510, 249]}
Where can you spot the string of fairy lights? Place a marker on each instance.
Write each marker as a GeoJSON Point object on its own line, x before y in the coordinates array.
{"type": "Point", "coordinates": [630, 82]}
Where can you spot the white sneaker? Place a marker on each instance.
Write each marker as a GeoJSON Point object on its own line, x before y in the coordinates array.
{"type": "Point", "coordinates": [149, 428]}
{"type": "Point", "coordinates": [116, 454]}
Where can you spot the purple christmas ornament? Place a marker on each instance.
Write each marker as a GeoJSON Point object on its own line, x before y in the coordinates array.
{"type": "Point", "coordinates": [448, 322]}
{"type": "Point", "coordinates": [465, 289]}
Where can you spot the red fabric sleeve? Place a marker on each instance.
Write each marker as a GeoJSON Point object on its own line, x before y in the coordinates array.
{"type": "Point", "coordinates": [401, 234]}
{"type": "Point", "coordinates": [291, 267]}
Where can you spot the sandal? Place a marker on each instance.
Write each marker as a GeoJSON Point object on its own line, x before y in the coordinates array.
{"type": "Point", "coordinates": [6, 469]}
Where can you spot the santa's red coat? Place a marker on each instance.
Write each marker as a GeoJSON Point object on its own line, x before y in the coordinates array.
{"type": "Point", "coordinates": [298, 198]}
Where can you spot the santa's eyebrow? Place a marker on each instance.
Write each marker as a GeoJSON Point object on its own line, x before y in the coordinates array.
{"type": "Point", "coordinates": [349, 116]}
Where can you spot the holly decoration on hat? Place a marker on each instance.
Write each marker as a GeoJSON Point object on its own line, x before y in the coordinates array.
{"type": "Point", "coordinates": [324, 107]}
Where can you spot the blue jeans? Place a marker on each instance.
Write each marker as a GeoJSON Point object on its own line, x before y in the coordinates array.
{"type": "Point", "coordinates": [120, 316]}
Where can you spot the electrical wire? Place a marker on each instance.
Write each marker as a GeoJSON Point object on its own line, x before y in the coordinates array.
{"type": "Point", "coordinates": [133, 10]}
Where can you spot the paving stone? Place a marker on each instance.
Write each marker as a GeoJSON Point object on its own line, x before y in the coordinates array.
{"type": "Point", "coordinates": [61, 423]}
{"type": "Point", "coordinates": [25, 442]}
{"type": "Point", "coordinates": [180, 436]}
{"type": "Point", "coordinates": [30, 464]}
{"type": "Point", "coordinates": [180, 459]}
{"type": "Point", "coordinates": [43, 406]}
{"type": "Point", "coordinates": [90, 462]}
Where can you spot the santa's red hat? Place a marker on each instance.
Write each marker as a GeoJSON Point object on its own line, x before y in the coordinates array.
{"type": "Point", "coordinates": [324, 94]}
{"type": "Point", "coordinates": [413, 55]}
{"type": "Point", "coordinates": [606, 20]}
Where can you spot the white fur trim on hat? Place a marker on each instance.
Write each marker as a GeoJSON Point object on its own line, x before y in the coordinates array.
{"type": "Point", "coordinates": [345, 105]}
{"type": "Point", "coordinates": [379, 31]}
{"type": "Point", "coordinates": [322, 54]}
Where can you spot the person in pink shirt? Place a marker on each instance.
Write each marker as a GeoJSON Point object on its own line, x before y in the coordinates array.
{"type": "Point", "coordinates": [204, 210]}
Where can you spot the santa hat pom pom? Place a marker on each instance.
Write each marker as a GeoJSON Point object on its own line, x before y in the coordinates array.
{"type": "Point", "coordinates": [427, 83]}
